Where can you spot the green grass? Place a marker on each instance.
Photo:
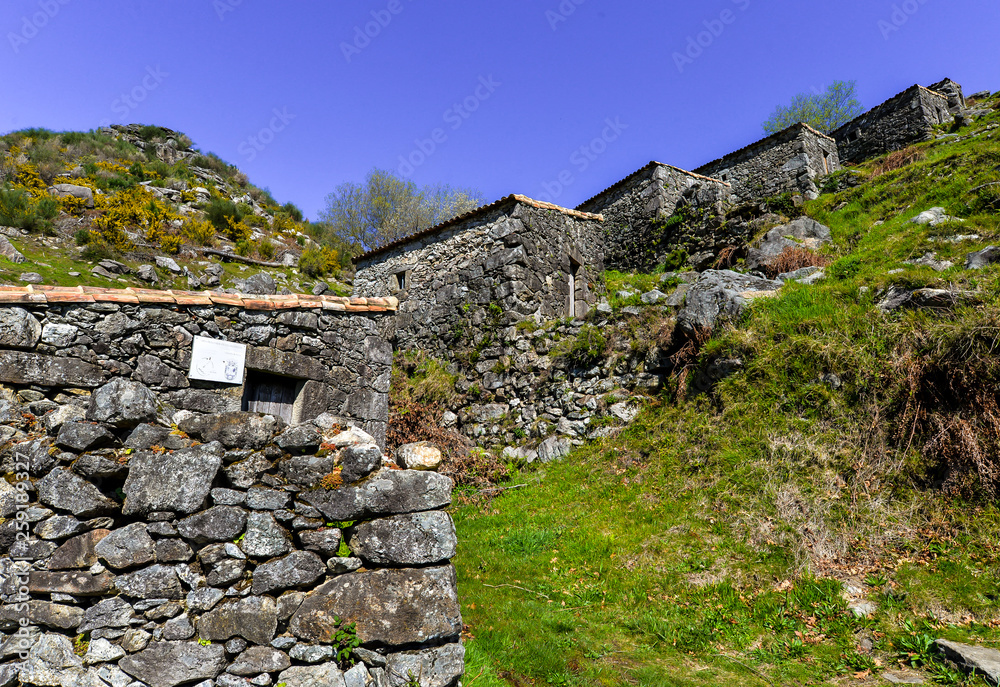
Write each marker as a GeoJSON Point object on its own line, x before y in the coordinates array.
{"type": "Point", "coordinates": [710, 542]}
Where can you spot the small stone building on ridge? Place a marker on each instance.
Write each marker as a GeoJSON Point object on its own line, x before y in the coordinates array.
{"type": "Point", "coordinates": [636, 210]}
{"type": "Point", "coordinates": [788, 161]}
{"type": "Point", "coordinates": [516, 255]}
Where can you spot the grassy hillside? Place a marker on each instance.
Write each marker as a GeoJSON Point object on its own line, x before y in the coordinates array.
{"type": "Point", "coordinates": [723, 539]}
{"type": "Point", "coordinates": [153, 194]}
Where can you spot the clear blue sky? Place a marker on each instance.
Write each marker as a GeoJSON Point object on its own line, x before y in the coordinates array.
{"type": "Point", "coordinates": [511, 91]}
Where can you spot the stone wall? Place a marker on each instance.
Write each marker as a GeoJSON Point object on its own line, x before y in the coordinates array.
{"type": "Point", "coordinates": [636, 210]}
{"type": "Point", "coordinates": [333, 353]}
{"type": "Point", "coordinates": [145, 546]}
{"type": "Point", "coordinates": [787, 162]}
{"type": "Point", "coordinates": [903, 120]}
{"type": "Point", "coordinates": [516, 257]}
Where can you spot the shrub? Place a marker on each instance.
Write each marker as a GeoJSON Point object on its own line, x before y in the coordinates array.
{"type": "Point", "coordinates": [897, 160]}
{"type": "Point", "coordinates": [17, 209]}
{"type": "Point", "coordinates": [266, 250]}
{"type": "Point", "coordinates": [199, 232]}
{"type": "Point", "coordinates": [587, 349]}
{"type": "Point", "coordinates": [220, 212]}
{"type": "Point", "coordinates": [318, 262]}
{"type": "Point", "coordinates": [292, 211]}
{"type": "Point", "coordinates": [82, 237]}
{"type": "Point", "coordinates": [171, 244]}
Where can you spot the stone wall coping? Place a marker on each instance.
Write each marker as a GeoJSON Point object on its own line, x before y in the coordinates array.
{"type": "Point", "coordinates": [513, 198]}
{"type": "Point", "coordinates": [911, 89]}
{"type": "Point", "coordinates": [766, 142]}
{"type": "Point", "coordinates": [647, 167]}
{"type": "Point", "coordinates": [44, 295]}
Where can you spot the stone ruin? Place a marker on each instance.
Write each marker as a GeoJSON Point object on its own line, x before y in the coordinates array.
{"type": "Point", "coordinates": [155, 534]}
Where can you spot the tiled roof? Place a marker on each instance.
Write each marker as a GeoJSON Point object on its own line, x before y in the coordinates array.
{"type": "Point", "coordinates": [649, 166]}
{"type": "Point", "coordinates": [474, 213]}
{"type": "Point", "coordinates": [42, 295]}
{"type": "Point", "coordinates": [763, 141]}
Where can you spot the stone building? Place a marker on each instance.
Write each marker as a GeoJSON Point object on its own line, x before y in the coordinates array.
{"type": "Point", "coordinates": [517, 256]}
{"type": "Point", "coordinates": [304, 355]}
{"type": "Point", "coordinates": [789, 161]}
{"type": "Point", "coordinates": [636, 210]}
{"type": "Point", "coordinates": [904, 119]}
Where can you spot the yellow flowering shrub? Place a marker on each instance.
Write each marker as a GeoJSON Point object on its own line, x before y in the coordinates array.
{"type": "Point", "coordinates": [135, 208]}
{"type": "Point", "coordinates": [238, 232]}
{"type": "Point", "coordinates": [199, 232]}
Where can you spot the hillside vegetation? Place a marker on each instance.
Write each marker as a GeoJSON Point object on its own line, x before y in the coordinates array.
{"type": "Point", "coordinates": [818, 518]}
{"type": "Point", "coordinates": [150, 194]}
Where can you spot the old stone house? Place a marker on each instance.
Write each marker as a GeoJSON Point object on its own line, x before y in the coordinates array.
{"type": "Point", "coordinates": [515, 256]}
{"type": "Point", "coordinates": [788, 161]}
{"type": "Point", "coordinates": [636, 210]}
{"type": "Point", "coordinates": [906, 118]}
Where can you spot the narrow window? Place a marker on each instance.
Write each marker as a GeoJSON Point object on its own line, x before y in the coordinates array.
{"type": "Point", "coordinates": [574, 275]}
{"type": "Point", "coordinates": [725, 177]}
{"type": "Point", "coordinates": [271, 395]}
{"type": "Point", "coordinates": [401, 281]}
{"type": "Point", "coordinates": [826, 162]}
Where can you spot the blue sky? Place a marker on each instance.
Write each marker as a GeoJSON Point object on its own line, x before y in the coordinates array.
{"type": "Point", "coordinates": [551, 98]}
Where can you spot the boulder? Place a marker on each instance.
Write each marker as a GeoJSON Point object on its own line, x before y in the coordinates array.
{"type": "Point", "coordinates": [973, 659]}
{"type": "Point", "coordinates": [721, 295]}
{"type": "Point", "coordinates": [168, 664]}
{"type": "Point", "coordinates": [83, 436]}
{"type": "Point", "coordinates": [440, 667]}
{"type": "Point", "coordinates": [217, 524]}
{"type": "Point", "coordinates": [414, 539]}
{"type": "Point", "coordinates": [63, 490]}
{"type": "Point", "coordinates": [19, 329]}
{"type": "Point", "coordinates": [260, 284]}
{"type": "Point", "coordinates": [168, 264]}
{"type": "Point", "coordinates": [389, 492]}
{"type": "Point", "coordinates": [982, 258]}
{"type": "Point", "coordinates": [122, 403]}
{"type": "Point", "coordinates": [8, 251]}
{"type": "Point", "coordinates": [933, 217]}
{"type": "Point", "coordinates": [359, 461]}
{"type": "Point", "coordinates": [147, 273]}
{"type": "Point", "coordinates": [801, 233]}
{"type": "Point", "coordinates": [31, 278]}
{"type": "Point", "coordinates": [297, 569]}
{"type": "Point", "coordinates": [422, 455]}
{"type": "Point", "coordinates": [177, 482]}
{"type": "Point", "coordinates": [554, 448]}
{"type": "Point", "coordinates": [254, 618]}
{"type": "Point", "coordinates": [74, 191]}
{"type": "Point", "coordinates": [389, 607]}
{"type": "Point", "coordinates": [233, 430]}
{"type": "Point", "coordinates": [127, 547]}
{"type": "Point", "coordinates": [299, 439]}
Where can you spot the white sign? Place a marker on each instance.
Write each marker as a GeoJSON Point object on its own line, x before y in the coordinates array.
{"type": "Point", "coordinates": [217, 361]}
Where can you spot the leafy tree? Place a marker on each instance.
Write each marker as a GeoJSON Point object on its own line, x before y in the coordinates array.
{"type": "Point", "coordinates": [823, 111]}
{"type": "Point", "coordinates": [386, 207]}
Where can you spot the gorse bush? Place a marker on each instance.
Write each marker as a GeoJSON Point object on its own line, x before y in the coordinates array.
{"type": "Point", "coordinates": [18, 209]}
{"type": "Point", "coordinates": [221, 212]}
{"type": "Point", "coordinates": [318, 261]}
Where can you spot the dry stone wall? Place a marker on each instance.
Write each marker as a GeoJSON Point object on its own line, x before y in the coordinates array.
{"type": "Point", "coordinates": [903, 120]}
{"type": "Point", "coordinates": [787, 162]}
{"type": "Point", "coordinates": [517, 257]}
{"type": "Point", "coordinates": [636, 211]}
{"type": "Point", "coordinates": [145, 546]}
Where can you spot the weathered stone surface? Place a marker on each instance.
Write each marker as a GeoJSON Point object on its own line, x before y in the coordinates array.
{"type": "Point", "coordinates": [422, 455]}
{"type": "Point", "coordinates": [19, 329]}
{"type": "Point", "coordinates": [306, 471]}
{"type": "Point", "coordinates": [122, 403]}
{"type": "Point", "coordinates": [387, 493]}
{"type": "Point", "coordinates": [440, 667]}
{"type": "Point", "coordinates": [414, 539]}
{"type": "Point", "coordinates": [311, 653]}
{"type": "Point", "coordinates": [57, 418]}
{"type": "Point", "coordinates": [74, 583]}
{"type": "Point", "coordinates": [259, 659]}
{"type": "Point", "coordinates": [297, 569]}
{"type": "Point", "coordinates": [341, 566]}
{"type": "Point", "coordinates": [168, 664]}
{"type": "Point", "coordinates": [52, 663]}
{"type": "Point", "coordinates": [254, 618]}
{"type": "Point", "coordinates": [800, 233]}
{"type": "Point", "coordinates": [982, 258]}
{"type": "Point", "coordinates": [973, 659]}
{"type": "Point", "coordinates": [390, 607]}
{"type": "Point", "coordinates": [79, 552]}
{"type": "Point", "coordinates": [261, 284]}
{"type": "Point", "coordinates": [265, 538]}
{"type": "Point", "coordinates": [217, 524]}
{"type": "Point", "coordinates": [299, 439]}
{"type": "Point", "coordinates": [932, 217]}
{"type": "Point", "coordinates": [59, 527]}
{"type": "Point", "coordinates": [357, 462]}
{"type": "Point", "coordinates": [721, 295]}
{"type": "Point", "coordinates": [154, 582]}
{"type": "Point", "coordinates": [127, 547]}
{"type": "Point", "coordinates": [326, 541]}
{"type": "Point", "coordinates": [173, 551]}
{"type": "Point", "coordinates": [233, 430]}
{"type": "Point", "coordinates": [102, 651]}
{"type": "Point", "coordinates": [45, 613]}
{"type": "Point", "coordinates": [114, 612]}
{"type": "Point", "coordinates": [83, 436]}
{"type": "Point", "coordinates": [325, 675]}
{"type": "Point", "coordinates": [63, 490]}
{"type": "Point", "coordinates": [554, 448]}
{"type": "Point", "coordinates": [8, 251]}
{"type": "Point", "coordinates": [262, 498]}
{"type": "Point", "coordinates": [74, 191]}
{"type": "Point", "coordinates": [18, 367]}
{"type": "Point", "coordinates": [178, 482]}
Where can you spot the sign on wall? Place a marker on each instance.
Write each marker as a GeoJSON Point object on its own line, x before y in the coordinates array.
{"type": "Point", "coordinates": [217, 361]}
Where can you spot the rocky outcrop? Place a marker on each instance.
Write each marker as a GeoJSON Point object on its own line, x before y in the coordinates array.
{"type": "Point", "coordinates": [800, 233]}
{"type": "Point", "coordinates": [721, 296]}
